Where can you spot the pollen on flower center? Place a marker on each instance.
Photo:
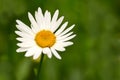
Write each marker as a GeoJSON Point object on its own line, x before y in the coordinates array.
{"type": "Point", "coordinates": [45, 38]}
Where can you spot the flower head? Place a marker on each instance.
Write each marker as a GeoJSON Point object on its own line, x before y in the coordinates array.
{"type": "Point", "coordinates": [46, 35]}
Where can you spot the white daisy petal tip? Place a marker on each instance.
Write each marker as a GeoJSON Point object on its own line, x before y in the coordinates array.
{"type": "Point", "coordinates": [74, 35]}
{"type": "Point", "coordinates": [69, 43]}
{"type": "Point", "coordinates": [55, 16]}
{"type": "Point", "coordinates": [17, 21]}
{"type": "Point", "coordinates": [62, 17]}
{"type": "Point", "coordinates": [29, 14]}
{"type": "Point", "coordinates": [27, 55]}
{"type": "Point", "coordinates": [49, 56]}
{"type": "Point", "coordinates": [48, 52]}
{"type": "Point", "coordinates": [73, 25]}
{"type": "Point", "coordinates": [59, 57]}
{"type": "Point", "coordinates": [66, 22]}
{"type": "Point", "coordinates": [16, 32]}
{"type": "Point", "coordinates": [57, 12]}
{"type": "Point", "coordinates": [35, 57]}
{"type": "Point", "coordinates": [17, 25]}
{"type": "Point", "coordinates": [39, 9]}
{"type": "Point", "coordinates": [55, 53]}
{"type": "Point", "coordinates": [44, 34]}
{"type": "Point", "coordinates": [18, 44]}
{"type": "Point", "coordinates": [18, 51]}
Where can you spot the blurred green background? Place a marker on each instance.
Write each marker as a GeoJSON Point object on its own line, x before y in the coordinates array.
{"type": "Point", "coordinates": [95, 54]}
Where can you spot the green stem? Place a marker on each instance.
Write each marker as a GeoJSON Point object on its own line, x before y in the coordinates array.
{"type": "Point", "coordinates": [39, 67]}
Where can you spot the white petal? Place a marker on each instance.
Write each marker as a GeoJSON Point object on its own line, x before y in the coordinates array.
{"type": "Point", "coordinates": [24, 35]}
{"type": "Point", "coordinates": [55, 53]}
{"type": "Point", "coordinates": [30, 52]}
{"type": "Point", "coordinates": [67, 30]}
{"type": "Point", "coordinates": [21, 49]}
{"type": "Point", "coordinates": [65, 36]}
{"type": "Point", "coordinates": [59, 47]}
{"type": "Point", "coordinates": [40, 14]}
{"type": "Point", "coordinates": [55, 25]}
{"type": "Point", "coordinates": [24, 39]}
{"type": "Point", "coordinates": [48, 52]}
{"type": "Point", "coordinates": [23, 27]}
{"type": "Point", "coordinates": [38, 52]}
{"type": "Point", "coordinates": [61, 28]}
{"type": "Point", "coordinates": [68, 38]}
{"type": "Point", "coordinates": [67, 44]}
{"type": "Point", "coordinates": [33, 23]}
{"type": "Point", "coordinates": [64, 44]}
{"type": "Point", "coordinates": [47, 19]}
{"type": "Point", "coordinates": [26, 44]}
{"type": "Point", "coordinates": [55, 16]}
{"type": "Point", "coordinates": [39, 20]}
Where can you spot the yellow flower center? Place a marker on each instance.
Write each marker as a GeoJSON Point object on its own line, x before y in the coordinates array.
{"type": "Point", "coordinates": [45, 38]}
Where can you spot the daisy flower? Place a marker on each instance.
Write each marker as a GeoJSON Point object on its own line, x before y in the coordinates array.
{"type": "Point", "coordinates": [45, 35]}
